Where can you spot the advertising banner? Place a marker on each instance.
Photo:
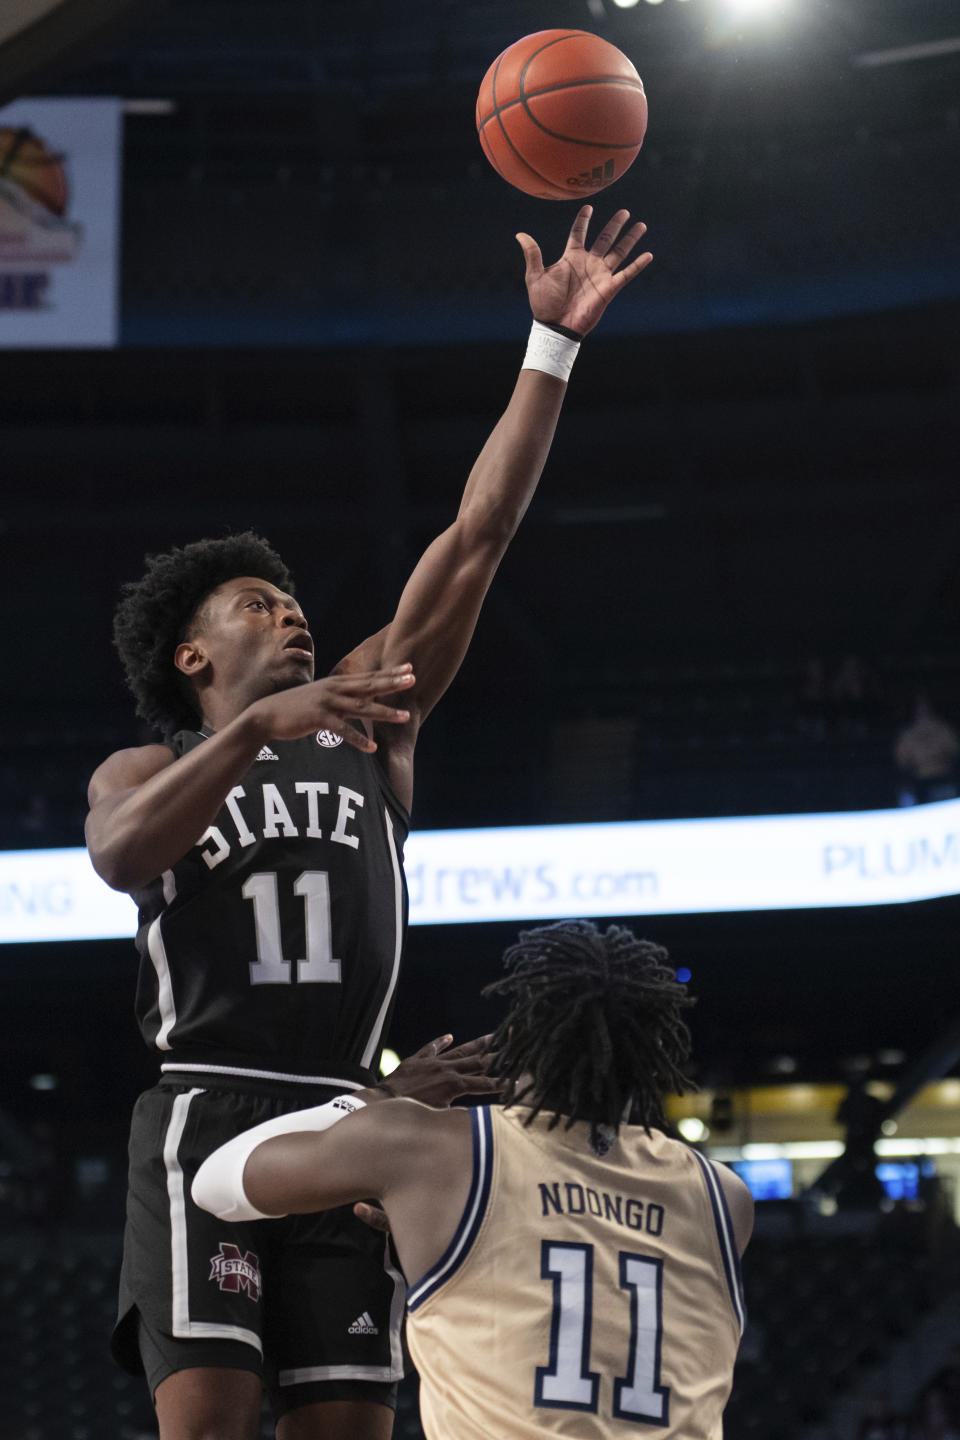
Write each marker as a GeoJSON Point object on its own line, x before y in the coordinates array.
{"type": "Point", "coordinates": [554, 872]}
{"type": "Point", "coordinates": [59, 223]}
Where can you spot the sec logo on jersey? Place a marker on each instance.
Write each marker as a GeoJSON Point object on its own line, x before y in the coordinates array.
{"type": "Point", "coordinates": [328, 739]}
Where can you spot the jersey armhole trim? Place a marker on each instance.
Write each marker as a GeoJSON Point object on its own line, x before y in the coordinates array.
{"type": "Point", "coordinates": [385, 786]}
{"type": "Point", "coordinates": [473, 1212]}
{"type": "Point", "coordinates": [725, 1236]}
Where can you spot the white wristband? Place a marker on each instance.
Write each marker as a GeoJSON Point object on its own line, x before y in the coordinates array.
{"type": "Point", "coordinates": [218, 1184]}
{"type": "Point", "coordinates": [550, 351]}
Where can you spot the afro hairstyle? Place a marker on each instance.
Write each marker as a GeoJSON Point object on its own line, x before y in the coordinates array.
{"type": "Point", "coordinates": [156, 612]}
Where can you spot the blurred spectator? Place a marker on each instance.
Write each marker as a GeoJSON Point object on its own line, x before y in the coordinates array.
{"type": "Point", "coordinates": [927, 751]}
{"type": "Point", "coordinates": [876, 1429]}
{"type": "Point", "coordinates": [811, 699]}
{"type": "Point", "coordinates": [880, 1423]}
{"type": "Point", "coordinates": [947, 1381]}
{"type": "Point", "coordinates": [852, 692]}
{"type": "Point", "coordinates": [936, 1419]}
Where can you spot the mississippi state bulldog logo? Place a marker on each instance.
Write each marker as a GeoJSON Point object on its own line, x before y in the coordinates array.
{"type": "Point", "coordinates": [235, 1272]}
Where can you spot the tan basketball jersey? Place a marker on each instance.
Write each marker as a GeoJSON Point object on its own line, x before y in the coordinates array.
{"type": "Point", "coordinates": [582, 1295]}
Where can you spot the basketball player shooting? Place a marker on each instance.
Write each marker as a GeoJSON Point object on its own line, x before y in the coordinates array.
{"type": "Point", "coordinates": [263, 843]}
{"type": "Point", "coordinates": [564, 1252]}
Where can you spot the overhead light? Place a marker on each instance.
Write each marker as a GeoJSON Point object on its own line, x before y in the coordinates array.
{"type": "Point", "coordinates": [787, 1150]}
{"type": "Point", "coordinates": [830, 1149]}
{"type": "Point", "coordinates": [933, 1145]}
{"type": "Point", "coordinates": [149, 107]}
{"type": "Point", "coordinates": [389, 1060]}
{"type": "Point", "coordinates": [928, 50]}
{"type": "Point", "coordinates": [43, 1082]}
{"type": "Point", "coordinates": [748, 9]}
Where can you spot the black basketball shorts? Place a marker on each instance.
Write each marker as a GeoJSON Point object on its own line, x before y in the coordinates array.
{"type": "Point", "coordinates": [312, 1303]}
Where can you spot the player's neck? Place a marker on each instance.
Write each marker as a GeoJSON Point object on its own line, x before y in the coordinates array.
{"type": "Point", "coordinates": [218, 709]}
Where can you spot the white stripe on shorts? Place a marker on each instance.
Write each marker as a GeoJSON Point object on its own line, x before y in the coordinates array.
{"type": "Point", "coordinates": [183, 1327]}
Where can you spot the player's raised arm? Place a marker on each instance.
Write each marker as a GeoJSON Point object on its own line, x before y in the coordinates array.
{"type": "Point", "coordinates": [440, 604]}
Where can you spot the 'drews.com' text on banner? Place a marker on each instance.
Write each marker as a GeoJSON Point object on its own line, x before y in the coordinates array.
{"type": "Point", "coordinates": [59, 223]}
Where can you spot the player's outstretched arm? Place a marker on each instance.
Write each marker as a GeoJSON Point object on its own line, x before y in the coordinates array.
{"type": "Point", "coordinates": [416, 1160]}
{"type": "Point", "coordinates": [147, 809]}
{"type": "Point", "coordinates": [438, 609]}
{"type": "Point", "coordinates": [435, 1075]}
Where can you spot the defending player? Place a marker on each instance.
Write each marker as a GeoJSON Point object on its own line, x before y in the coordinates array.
{"type": "Point", "coordinates": [574, 1272]}
{"type": "Point", "coordinates": [264, 842]}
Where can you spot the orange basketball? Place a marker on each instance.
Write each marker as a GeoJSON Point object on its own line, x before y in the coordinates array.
{"type": "Point", "coordinates": [26, 161]}
{"type": "Point", "coordinates": [561, 114]}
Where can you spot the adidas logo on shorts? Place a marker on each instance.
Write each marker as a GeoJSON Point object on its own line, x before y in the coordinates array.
{"type": "Point", "coordinates": [363, 1325]}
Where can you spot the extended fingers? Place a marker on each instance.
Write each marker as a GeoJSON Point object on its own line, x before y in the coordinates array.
{"type": "Point", "coordinates": [372, 1215]}
{"type": "Point", "coordinates": [355, 700]}
{"type": "Point", "coordinates": [475, 1082]}
{"type": "Point", "coordinates": [607, 238]}
{"type": "Point", "coordinates": [532, 257]}
{"type": "Point", "coordinates": [579, 228]}
{"type": "Point", "coordinates": [432, 1048]}
{"type": "Point", "coordinates": [614, 244]}
{"type": "Point", "coordinates": [378, 682]}
{"type": "Point", "coordinates": [375, 711]}
{"type": "Point", "coordinates": [624, 243]}
{"type": "Point", "coordinates": [629, 272]}
{"type": "Point", "coordinates": [372, 713]}
{"type": "Point", "coordinates": [470, 1048]}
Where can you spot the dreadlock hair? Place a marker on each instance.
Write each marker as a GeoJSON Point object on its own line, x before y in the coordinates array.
{"type": "Point", "coordinates": [595, 1022]}
{"type": "Point", "coordinates": [158, 611]}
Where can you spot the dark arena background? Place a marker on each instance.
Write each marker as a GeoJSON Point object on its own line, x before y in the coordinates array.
{"type": "Point", "coordinates": [739, 579]}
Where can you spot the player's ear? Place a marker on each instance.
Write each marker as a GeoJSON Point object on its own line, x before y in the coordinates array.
{"type": "Point", "coordinates": [190, 657]}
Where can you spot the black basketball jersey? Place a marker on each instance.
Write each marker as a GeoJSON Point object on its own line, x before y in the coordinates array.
{"type": "Point", "coordinates": [273, 947]}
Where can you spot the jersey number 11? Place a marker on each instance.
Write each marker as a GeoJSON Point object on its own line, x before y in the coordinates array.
{"type": "Point", "coordinates": [568, 1383]}
{"type": "Point", "coordinates": [270, 968]}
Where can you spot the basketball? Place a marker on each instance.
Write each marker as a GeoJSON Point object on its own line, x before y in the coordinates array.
{"type": "Point", "coordinates": [561, 114]}
{"type": "Point", "coordinates": [26, 162]}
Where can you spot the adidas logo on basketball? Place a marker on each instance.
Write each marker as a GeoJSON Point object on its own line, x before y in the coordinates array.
{"type": "Point", "coordinates": [599, 176]}
{"type": "Point", "coordinates": [363, 1325]}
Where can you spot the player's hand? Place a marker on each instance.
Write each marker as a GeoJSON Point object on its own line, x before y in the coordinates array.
{"type": "Point", "coordinates": [579, 287]}
{"type": "Point", "coordinates": [334, 703]}
{"type": "Point", "coordinates": [435, 1075]}
{"type": "Point", "coordinates": [372, 1215]}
